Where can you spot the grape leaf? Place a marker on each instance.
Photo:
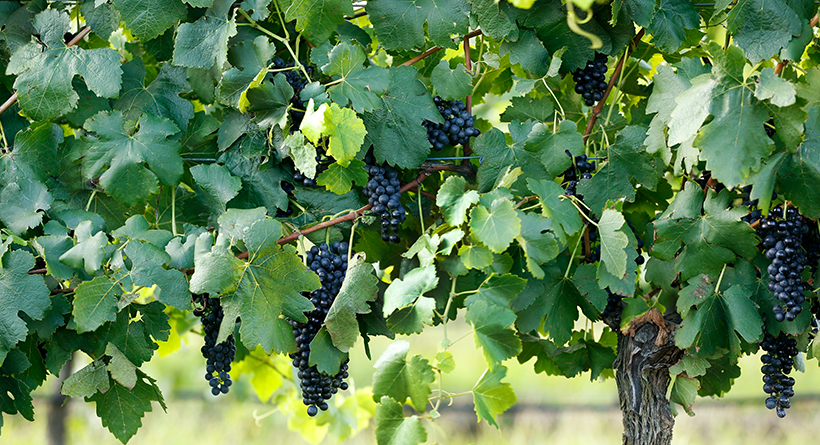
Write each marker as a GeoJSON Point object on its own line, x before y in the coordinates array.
{"type": "Point", "coordinates": [451, 84]}
{"type": "Point", "coordinates": [204, 43]}
{"type": "Point", "coordinates": [500, 157]}
{"type": "Point", "coordinates": [121, 409]}
{"type": "Point", "coordinates": [102, 18]}
{"type": "Point", "coordinates": [316, 19]}
{"type": "Point", "coordinates": [268, 285]}
{"type": "Point", "coordinates": [476, 256]}
{"type": "Point", "coordinates": [215, 185]}
{"type": "Point", "coordinates": [346, 133]}
{"type": "Point", "coordinates": [395, 128]}
{"type": "Point", "coordinates": [236, 222]}
{"type": "Point", "coordinates": [780, 91]}
{"type": "Point", "coordinates": [524, 108]}
{"type": "Point", "coordinates": [137, 227]}
{"type": "Point", "coordinates": [684, 391]}
{"type": "Point", "coordinates": [21, 203]}
{"type": "Point", "coordinates": [159, 98]}
{"type": "Point", "coordinates": [126, 179]}
{"type": "Point", "coordinates": [147, 19]}
{"type": "Point", "coordinates": [553, 147]}
{"type": "Point", "coordinates": [261, 183]}
{"type": "Point", "coordinates": [120, 368]}
{"type": "Point", "coordinates": [498, 290]}
{"type": "Point", "coordinates": [21, 292]}
{"type": "Point", "coordinates": [358, 288]}
{"type": "Point", "coordinates": [762, 28]}
{"type": "Point", "coordinates": [95, 302]}
{"type": "Point", "coordinates": [404, 292]}
{"type": "Point", "coordinates": [146, 270]}
{"type": "Point", "coordinates": [799, 173]}
{"type": "Point", "coordinates": [719, 321]}
{"type": "Point", "coordinates": [491, 397]}
{"type": "Point", "coordinates": [339, 180]}
{"type": "Point", "coordinates": [399, 23]}
{"type": "Point", "coordinates": [392, 428]}
{"type": "Point", "coordinates": [44, 88]}
{"type": "Point", "coordinates": [719, 377]}
{"type": "Point", "coordinates": [359, 86]}
{"type": "Point", "coordinates": [491, 330]}
{"type": "Point", "coordinates": [555, 309]}
{"type": "Point", "coordinates": [270, 102]}
{"type": "Point", "coordinates": [528, 52]}
{"type": "Point", "coordinates": [495, 226]}
{"type": "Point", "coordinates": [671, 21]}
{"type": "Point", "coordinates": [559, 210]}
{"type": "Point", "coordinates": [86, 382]}
{"type": "Point", "coordinates": [453, 199]}
{"type": "Point", "coordinates": [400, 378]}
{"type": "Point", "coordinates": [34, 155]}
{"type": "Point", "coordinates": [88, 252]}
{"type": "Point", "coordinates": [411, 319]}
{"type": "Point", "coordinates": [249, 58]}
{"type": "Point", "coordinates": [326, 357]}
{"type": "Point", "coordinates": [613, 242]}
{"type": "Point", "coordinates": [493, 21]}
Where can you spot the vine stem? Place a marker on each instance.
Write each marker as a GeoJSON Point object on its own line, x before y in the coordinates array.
{"type": "Point", "coordinates": [283, 40]}
{"type": "Point", "coordinates": [615, 75]}
{"type": "Point", "coordinates": [434, 49]}
{"type": "Point", "coordinates": [13, 99]}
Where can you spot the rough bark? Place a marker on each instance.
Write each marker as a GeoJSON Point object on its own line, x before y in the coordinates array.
{"type": "Point", "coordinates": [645, 354]}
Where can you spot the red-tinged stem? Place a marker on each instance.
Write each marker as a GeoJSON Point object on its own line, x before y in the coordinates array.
{"type": "Point", "coordinates": [614, 78]}
{"type": "Point", "coordinates": [11, 100]}
{"type": "Point", "coordinates": [437, 48]}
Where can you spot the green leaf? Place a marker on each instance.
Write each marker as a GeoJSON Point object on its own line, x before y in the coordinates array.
{"type": "Point", "coordinates": [126, 179]}
{"type": "Point", "coordinates": [34, 155]}
{"type": "Point", "coordinates": [491, 330]}
{"type": "Point", "coordinates": [492, 20]}
{"type": "Point", "coordinates": [21, 203]}
{"type": "Point", "coordinates": [268, 285]}
{"type": "Point", "coordinates": [613, 242]}
{"type": "Point", "coordinates": [146, 270]}
{"type": "Point", "coordinates": [719, 377]}
{"type": "Point", "coordinates": [399, 24]}
{"type": "Point", "coordinates": [340, 179]}
{"type": "Point", "coordinates": [86, 382]}
{"type": "Point", "coordinates": [392, 428]}
{"type": "Point", "coordinates": [204, 43]}
{"type": "Point", "coordinates": [627, 164]}
{"type": "Point", "coordinates": [559, 210]}
{"type": "Point", "coordinates": [684, 391]}
{"type": "Point", "coordinates": [496, 226]}
{"type": "Point", "coordinates": [21, 292]}
{"type": "Point", "coordinates": [524, 108]}
{"type": "Point", "coordinates": [358, 288]}
{"type": "Point", "coordinates": [316, 19]}
{"type": "Point", "coordinates": [44, 87]}
{"type": "Point", "coordinates": [121, 409]}
{"type": "Point", "coordinates": [346, 132]}
{"type": "Point", "coordinates": [120, 368]}
{"type": "Point", "coordinates": [215, 185]}
{"type": "Point", "coordinates": [445, 362]}
{"type": "Point", "coordinates": [359, 86]}
{"type": "Point", "coordinates": [451, 84]}
{"type": "Point", "coordinates": [89, 251]}
{"type": "Point", "coordinates": [718, 321]}
{"type": "Point", "coordinates": [400, 378]}
{"type": "Point", "coordinates": [102, 18]}
{"type": "Point", "coordinates": [528, 52]}
{"type": "Point", "coordinates": [403, 292]}
{"type": "Point", "coordinates": [780, 91]}
{"type": "Point", "coordinates": [491, 397]}
{"type": "Point", "coordinates": [159, 98]}
{"type": "Point", "coordinates": [270, 102]}
{"type": "Point", "coordinates": [539, 245]}
{"type": "Point", "coordinates": [500, 157]}
{"type": "Point", "coordinates": [762, 28]}
{"type": "Point", "coordinates": [453, 199]}
{"type": "Point", "coordinates": [326, 357]}
{"type": "Point", "coordinates": [476, 256]}
{"type": "Point", "coordinates": [554, 309]}
{"type": "Point", "coordinates": [411, 319]}
{"type": "Point", "coordinates": [553, 146]}
{"type": "Point", "coordinates": [51, 248]}
{"type": "Point", "coordinates": [95, 302]}
{"type": "Point", "coordinates": [261, 182]}
{"type": "Point", "coordinates": [672, 19]}
{"type": "Point", "coordinates": [395, 127]}
{"type": "Point", "coordinates": [147, 19]}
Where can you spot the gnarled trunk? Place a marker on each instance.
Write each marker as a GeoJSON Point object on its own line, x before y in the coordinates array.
{"type": "Point", "coordinates": [645, 354]}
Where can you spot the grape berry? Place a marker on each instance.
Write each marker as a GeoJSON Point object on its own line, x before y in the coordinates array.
{"type": "Point", "coordinates": [457, 127]}
{"type": "Point", "coordinates": [219, 355]}
{"type": "Point", "coordinates": [383, 191]}
{"type": "Point", "coordinates": [590, 81]}
{"type": "Point", "coordinates": [330, 263]}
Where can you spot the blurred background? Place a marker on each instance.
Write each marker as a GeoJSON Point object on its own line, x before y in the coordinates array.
{"type": "Point", "coordinates": [550, 410]}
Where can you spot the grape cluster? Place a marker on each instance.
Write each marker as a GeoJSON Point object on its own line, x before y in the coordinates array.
{"type": "Point", "coordinates": [457, 127]}
{"type": "Point", "coordinates": [777, 364]}
{"type": "Point", "coordinates": [383, 192]}
{"type": "Point", "coordinates": [613, 305]}
{"type": "Point", "coordinates": [581, 168]}
{"type": "Point", "coordinates": [590, 81]}
{"type": "Point", "coordinates": [298, 82]}
{"type": "Point", "coordinates": [218, 355]}
{"type": "Point", "coordinates": [754, 213]}
{"type": "Point", "coordinates": [330, 263]}
{"type": "Point", "coordinates": [783, 240]}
